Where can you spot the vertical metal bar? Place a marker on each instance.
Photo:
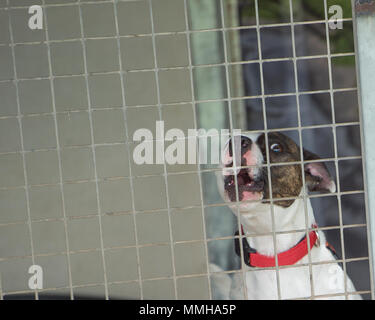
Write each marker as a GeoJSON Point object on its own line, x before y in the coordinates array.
{"type": "Point", "coordinates": [233, 38]}
{"type": "Point", "coordinates": [131, 178]}
{"type": "Point", "coordinates": [193, 103]}
{"type": "Point", "coordinates": [267, 148]}
{"type": "Point", "coordinates": [304, 195]}
{"type": "Point", "coordinates": [83, 42]}
{"type": "Point", "coordinates": [1, 288]}
{"type": "Point", "coordinates": [364, 41]}
{"type": "Point", "coordinates": [243, 266]}
{"type": "Point", "coordinates": [164, 164]}
{"type": "Point", "coordinates": [58, 150]}
{"type": "Point", "coordinates": [335, 146]}
{"type": "Point", "coordinates": [19, 115]}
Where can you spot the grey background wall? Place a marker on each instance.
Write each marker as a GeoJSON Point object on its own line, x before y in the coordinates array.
{"type": "Point", "coordinates": [72, 200]}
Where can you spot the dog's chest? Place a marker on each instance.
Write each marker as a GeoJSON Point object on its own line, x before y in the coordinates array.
{"type": "Point", "coordinates": [263, 284]}
{"type": "Point", "coordinates": [295, 282]}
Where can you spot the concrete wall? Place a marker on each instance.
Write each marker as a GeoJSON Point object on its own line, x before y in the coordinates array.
{"type": "Point", "coordinates": [72, 200]}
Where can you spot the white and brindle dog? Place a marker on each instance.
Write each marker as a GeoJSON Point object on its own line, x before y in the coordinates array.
{"type": "Point", "coordinates": [254, 208]}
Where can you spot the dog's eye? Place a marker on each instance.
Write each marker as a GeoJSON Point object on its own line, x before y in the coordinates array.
{"type": "Point", "coordinates": [276, 148]}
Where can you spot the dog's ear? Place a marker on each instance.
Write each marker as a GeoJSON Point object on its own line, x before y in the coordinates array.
{"type": "Point", "coordinates": [317, 177]}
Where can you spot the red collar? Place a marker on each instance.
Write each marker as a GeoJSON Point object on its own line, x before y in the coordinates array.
{"type": "Point", "coordinates": [254, 259]}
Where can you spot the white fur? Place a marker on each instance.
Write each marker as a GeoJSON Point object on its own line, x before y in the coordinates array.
{"type": "Point", "coordinates": [294, 281]}
{"type": "Point", "coordinates": [256, 154]}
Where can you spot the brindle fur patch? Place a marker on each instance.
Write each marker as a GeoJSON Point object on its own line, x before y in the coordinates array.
{"type": "Point", "coordinates": [286, 179]}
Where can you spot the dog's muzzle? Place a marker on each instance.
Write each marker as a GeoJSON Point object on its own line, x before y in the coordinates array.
{"type": "Point", "coordinates": [244, 183]}
{"type": "Point", "coordinates": [248, 179]}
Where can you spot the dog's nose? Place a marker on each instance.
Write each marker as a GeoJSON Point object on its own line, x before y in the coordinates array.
{"type": "Point", "coordinates": [245, 144]}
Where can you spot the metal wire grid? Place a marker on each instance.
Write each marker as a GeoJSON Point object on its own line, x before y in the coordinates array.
{"type": "Point", "coordinates": [371, 264]}
{"type": "Point", "coordinates": [194, 101]}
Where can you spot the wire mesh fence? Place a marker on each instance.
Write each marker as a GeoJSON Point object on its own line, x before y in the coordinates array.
{"type": "Point", "coordinates": [75, 92]}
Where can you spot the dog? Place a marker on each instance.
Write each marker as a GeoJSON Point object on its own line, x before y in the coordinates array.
{"type": "Point", "coordinates": [307, 265]}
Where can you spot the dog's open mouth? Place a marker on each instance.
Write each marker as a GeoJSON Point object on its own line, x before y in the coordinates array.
{"type": "Point", "coordinates": [245, 185]}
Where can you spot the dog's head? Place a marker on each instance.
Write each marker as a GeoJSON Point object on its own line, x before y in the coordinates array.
{"type": "Point", "coordinates": [245, 157]}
